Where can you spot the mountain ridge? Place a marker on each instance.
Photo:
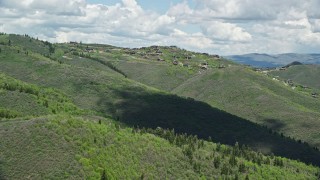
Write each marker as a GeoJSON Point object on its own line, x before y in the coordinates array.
{"type": "Point", "coordinates": [276, 60]}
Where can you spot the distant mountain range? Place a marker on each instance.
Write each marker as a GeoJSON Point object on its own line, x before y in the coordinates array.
{"type": "Point", "coordinates": [267, 60]}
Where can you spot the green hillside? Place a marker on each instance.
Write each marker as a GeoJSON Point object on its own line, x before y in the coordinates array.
{"type": "Point", "coordinates": [257, 97]}
{"type": "Point", "coordinates": [70, 113]}
{"type": "Point", "coordinates": [73, 147]}
{"type": "Point", "coordinates": [66, 147]}
{"type": "Point", "coordinates": [306, 75]}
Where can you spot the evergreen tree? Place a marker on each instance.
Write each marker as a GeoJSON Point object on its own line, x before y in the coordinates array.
{"type": "Point", "coordinates": [142, 177]}
{"type": "Point", "coordinates": [247, 177]}
{"type": "Point", "coordinates": [103, 175]}
{"type": "Point", "coordinates": [236, 177]}
{"type": "Point", "coordinates": [242, 167]}
{"type": "Point", "coordinates": [233, 160]}
{"type": "Point", "coordinates": [217, 162]}
{"type": "Point", "coordinates": [225, 169]}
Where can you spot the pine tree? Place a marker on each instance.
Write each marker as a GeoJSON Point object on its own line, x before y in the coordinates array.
{"type": "Point", "coordinates": [233, 160]}
{"type": "Point", "coordinates": [225, 169]}
{"type": "Point", "coordinates": [142, 177]}
{"type": "Point", "coordinates": [103, 175]}
{"type": "Point", "coordinates": [242, 167]}
{"type": "Point", "coordinates": [267, 161]}
{"type": "Point", "coordinates": [236, 177]}
{"type": "Point", "coordinates": [217, 162]}
{"type": "Point", "coordinates": [247, 177]}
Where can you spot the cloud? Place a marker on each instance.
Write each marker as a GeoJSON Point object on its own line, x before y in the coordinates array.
{"type": "Point", "coordinates": [316, 26]}
{"type": "Point", "coordinates": [226, 32]}
{"type": "Point", "coordinates": [251, 9]}
{"type": "Point", "coordinates": [196, 40]}
{"type": "Point", "coordinates": [58, 7]}
{"type": "Point", "coordinates": [219, 26]}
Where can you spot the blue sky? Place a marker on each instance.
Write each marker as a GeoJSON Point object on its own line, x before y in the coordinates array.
{"type": "Point", "coordinates": [222, 27]}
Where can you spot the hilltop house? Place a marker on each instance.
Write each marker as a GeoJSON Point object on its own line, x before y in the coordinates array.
{"type": "Point", "coordinates": [215, 56]}
{"type": "Point", "coordinates": [175, 62]}
{"type": "Point", "coordinates": [188, 57]}
{"type": "Point", "coordinates": [204, 65]}
{"type": "Point", "coordinates": [89, 49]}
{"type": "Point", "coordinates": [315, 95]}
{"type": "Point", "coordinates": [289, 82]}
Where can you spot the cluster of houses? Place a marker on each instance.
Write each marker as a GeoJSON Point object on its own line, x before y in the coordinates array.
{"type": "Point", "coordinates": [87, 49]}
{"type": "Point", "coordinates": [153, 51]}
{"type": "Point", "coordinates": [290, 83]}
{"type": "Point", "coordinates": [179, 57]}
{"type": "Point", "coordinates": [267, 69]}
{"type": "Point", "coordinates": [202, 65]}
{"type": "Point", "coordinates": [175, 62]}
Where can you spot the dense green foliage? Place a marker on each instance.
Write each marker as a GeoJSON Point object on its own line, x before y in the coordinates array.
{"type": "Point", "coordinates": [91, 147]}
{"type": "Point", "coordinates": [52, 100]}
{"type": "Point", "coordinates": [48, 130]}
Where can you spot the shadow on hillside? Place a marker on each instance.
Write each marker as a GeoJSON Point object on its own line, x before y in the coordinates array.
{"type": "Point", "coordinates": [1, 170]}
{"type": "Point", "coordinates": [136, 107]}
{"type": "Point", "coordinates": [274, 124]}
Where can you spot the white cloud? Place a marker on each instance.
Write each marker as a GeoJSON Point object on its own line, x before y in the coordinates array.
{"type": "Point", "coordinates": [225, 32]}
{"type": "Point", "coordinates": [316, 26]}
{"type": "Point", "coordinates": [299, 24]}
{"type": "Point", "coordinates": [222, 26]}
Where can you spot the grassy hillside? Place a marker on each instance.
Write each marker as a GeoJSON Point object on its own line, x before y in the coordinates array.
{"type": "Point", "coordinates": [19, 99]}
{"type": "Point", "coordinates": [55, 147]}
{"type": "Point", "coordinates": [307, 75]}
{"type": "Point", "coordinates": [256, 97]}
{"type": "Point", "coordinates": [65, 82]}
{"type": "Point", "coordinates": [110, 93]}
{"type": "Point", "coordinates": [67, 146]}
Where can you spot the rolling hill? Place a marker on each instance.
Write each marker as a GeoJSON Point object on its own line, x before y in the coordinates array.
{"type": "Point", "coordinates": [306, 75]}
{"type": "Point", "coordinates": [76, 144]}
{"type": "Point", "coordinates": [257, 97]}
{"type": "Point", "coordinates": [103, 111]}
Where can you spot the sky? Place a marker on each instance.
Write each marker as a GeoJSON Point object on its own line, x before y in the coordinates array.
{"type": "Point", "coordinates": [224, 27]}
